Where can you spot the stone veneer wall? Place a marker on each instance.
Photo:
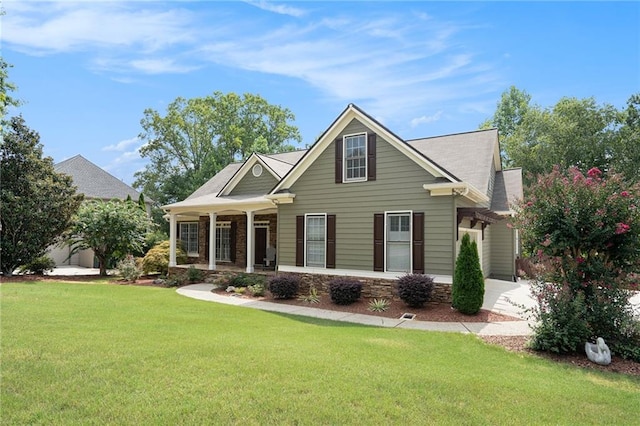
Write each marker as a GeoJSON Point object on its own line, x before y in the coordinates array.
{"type": "Point", "coordinates": [371, 287]}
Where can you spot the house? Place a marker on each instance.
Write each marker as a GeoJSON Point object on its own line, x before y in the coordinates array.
{"type": "Point", "coordinates": [96, 184]}
{"type": "Point", "coordinates": [360, 202]}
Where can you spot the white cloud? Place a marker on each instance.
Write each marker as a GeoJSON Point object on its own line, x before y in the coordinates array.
{"type": "Point", "coordinates": [280, 9]}
{"type": "Point", "coordinates": [124, 144]}
{"type": "Point", "coordinates": [426, 119]}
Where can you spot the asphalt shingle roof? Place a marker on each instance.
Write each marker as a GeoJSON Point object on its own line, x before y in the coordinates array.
{"type": "Point", "coordinates": [94, 182]}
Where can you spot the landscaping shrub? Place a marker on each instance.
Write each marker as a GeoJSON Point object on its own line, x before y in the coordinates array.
{"type": "Point", "coordinates": [415, 289]}
{"type": "Point", "coordinates": [344, 291]}
{"type": "Point", "coordinates": [194, 275]}
{"type": "Point", "coordinates": [246, 280]}
{"type": "Point", "coordinates": [284, 286]}
{"type": "Point", "coordinates": [157, 259]}
{"type": "Point", "coordinates": [128, 268]}
{"type": "Point", "coordinates": [379, 305]}
{"type": "Point", "coordinates": [257, 290]}
{"type": "Point", "coordinates": [39, 265]}
{"type": "Point", "coordinates": [467, 292]}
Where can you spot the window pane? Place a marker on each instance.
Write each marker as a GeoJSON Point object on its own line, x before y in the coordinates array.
{"type": "Point", "coordinates": [223, 244]}
{"type": "Point", "coordinates": [315, 241]}
{"type": "Point", "coordinates": [398, 257]}
{"type": "Point", "coordinates": [355, 157]}
{"type": "Point", "coordinates": [398, 242]}
{"type": "Point", "coordinates": [189, 237]}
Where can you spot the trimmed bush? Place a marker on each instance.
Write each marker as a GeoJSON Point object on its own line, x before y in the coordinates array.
{"type": "Point", "coordinates": [194, 275]}
{"type": "Point", "coordinates": [128, 269]}
{"type": "Point", "coordinates": [157, 259]}
{"type": "Point", "coordinates": [284, 286]}
{"type": "Point", "coordinates": [415, 289]}
{"type": "Point", "coordinates": [246, 280]}
{"type": "Point", "coordinates": [39, 265]}
{"type": "Point", "coordinates": [345, 291]}
{"type": "Point", "coordinates": [467, 292]}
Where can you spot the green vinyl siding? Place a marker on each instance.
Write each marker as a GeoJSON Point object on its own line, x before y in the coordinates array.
{"type": "Point", "coordinates": [502, 251]}
{"type": "Point", "coordinates": [398, 187]}
{"type": "Point", "coordinates": [251, 185]}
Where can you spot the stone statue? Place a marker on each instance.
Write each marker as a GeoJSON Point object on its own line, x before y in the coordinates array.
{"type": "Point", "coordinates": [598, 352]}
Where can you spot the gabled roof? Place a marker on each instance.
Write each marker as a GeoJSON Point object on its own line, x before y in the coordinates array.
{"type": "Point", "coordinates": [351, 112]}
{"type": "Point", "coordinates": [94, 182]}
{"type": "Point", "coordinates": [467, 155]}
{"type": "Point", "coordinates": [507, 190]}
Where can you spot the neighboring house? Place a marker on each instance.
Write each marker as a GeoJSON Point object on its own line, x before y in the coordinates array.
{"type": "Point", "coordinates": [96, 184]}
{"type": "Point", "coordinates": [359, 202]}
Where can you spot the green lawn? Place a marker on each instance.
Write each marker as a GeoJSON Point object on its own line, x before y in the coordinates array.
{"type": "Point", "coordinates": [109, 354]}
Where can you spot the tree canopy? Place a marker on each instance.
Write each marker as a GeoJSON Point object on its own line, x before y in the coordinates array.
{"type": "Point", "coordinates": [198, 137]}
{"type": "Point", "coordinates": [112, 229]}
{"type": "Point", "coordinates": [572, 133]}
{"type": "Point", "coordinates": [37, 203]}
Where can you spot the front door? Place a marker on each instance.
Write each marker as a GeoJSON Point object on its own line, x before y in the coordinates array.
{"type": "Point", "coordinates": [260, 245]}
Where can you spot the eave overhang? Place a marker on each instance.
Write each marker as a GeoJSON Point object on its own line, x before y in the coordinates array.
{"type": "Point", "coordinates": [456, 188]}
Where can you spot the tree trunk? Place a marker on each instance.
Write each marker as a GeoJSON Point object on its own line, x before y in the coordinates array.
{"type": "Point", "coordinates": [102, 261]}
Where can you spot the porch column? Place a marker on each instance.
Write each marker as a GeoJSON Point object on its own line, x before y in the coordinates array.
{"type": "Point", "coordinates": [250, 254]}
{"type": "Point", "coordinates": [212, 241]}
{"type": "Point", "coordinates": [172, 239]}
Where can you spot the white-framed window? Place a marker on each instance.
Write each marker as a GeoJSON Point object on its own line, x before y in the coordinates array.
{"type": "Point", "coordinates": [355, 157]}
{"type": "Point", "coordinates": [398, 241]}
{"type": "Point", "coordinates": [189, 237]}
{"type": "Point", "coordinates": [256, 170]}
{"type": "Point", "coordinates": [315, 240]}
{"type": "Point", "coordinates": [223, 241]}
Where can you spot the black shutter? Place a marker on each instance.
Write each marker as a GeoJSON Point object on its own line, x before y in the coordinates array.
{"type": "Point", "coordinates": [418, 243]}
{"type": "Point", "coordinates": [331, 241]}
{"type": "Point", "coordinates": [371, 156]}
{"type": "Point", "coordinates": [338, 144]}
{"type": "Point", "coordinates": [378, 242]}
{"type": "Point", "coordinates": [299, 240]}
{"type": "Point", "coordinates": [232, 240]}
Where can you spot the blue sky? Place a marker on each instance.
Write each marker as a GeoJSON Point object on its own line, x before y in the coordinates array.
{"type": "Point", "coordinates": [87, 70]}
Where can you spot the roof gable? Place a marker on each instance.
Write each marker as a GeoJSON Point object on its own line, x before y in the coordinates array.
{"type": "Point", "coordinates": [336, 128]}
{"type": "Point", "coordinates": [247, 166]}
{"type": "Point", "coordinates": [93, 181]}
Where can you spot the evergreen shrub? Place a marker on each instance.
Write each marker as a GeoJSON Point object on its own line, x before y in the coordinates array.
{"type": "Point", "coordinates": [344, 291]}
{"type": "Point", "coordinates": [467, 292]}
{"type": "Point", "coordinates": [415, 289]}
{"type": "Point", "coordinates": [284, 286]}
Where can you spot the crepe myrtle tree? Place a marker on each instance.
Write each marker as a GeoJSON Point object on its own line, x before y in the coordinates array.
{"type": "Point", "coordinates": [112, 229]}
{"type": "Point", "coordinates": [583, 232]}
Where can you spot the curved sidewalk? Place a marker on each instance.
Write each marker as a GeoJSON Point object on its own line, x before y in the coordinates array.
{"type": "Point", "coordinates": [497, 297]}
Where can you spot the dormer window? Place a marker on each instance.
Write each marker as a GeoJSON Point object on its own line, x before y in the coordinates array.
{"type": "Point", "coordinates": [355, 157]}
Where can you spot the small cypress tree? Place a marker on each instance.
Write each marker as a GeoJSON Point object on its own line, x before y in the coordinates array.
{"type": "Point", "coordinates": [467, 293]}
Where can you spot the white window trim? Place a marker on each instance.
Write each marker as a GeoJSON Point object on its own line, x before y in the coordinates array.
{"type": "Point", "coordinates": [223, 225]}
{"type": "Point", "coordinates": [192, 253]}
{"type": "Point", "coordinates": [386, 215]}
{"type": "Point", "coordinates": [306, 228]}
{"type": "Point", "coordinates": [344, 158]}
{"type": "Point", "coordinates": [256, 170]}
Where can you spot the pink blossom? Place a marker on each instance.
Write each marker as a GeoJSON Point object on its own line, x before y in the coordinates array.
{"type": "Point", "coordinates": [580, 259]}
{"type": "Point", "coordinates": [621, 228]}
{"type": "Point", "coordinates": [594, 172]}
{"type": "Point", "coordinates": [624, 194]}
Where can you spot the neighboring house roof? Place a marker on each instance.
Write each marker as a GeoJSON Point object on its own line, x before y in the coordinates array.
{"type": "Point", "coordinates": [466, 155]}
{"type": "Point", "coordinates": [95, 182]}
{"type": "Point", "coordinates": [507, 190]}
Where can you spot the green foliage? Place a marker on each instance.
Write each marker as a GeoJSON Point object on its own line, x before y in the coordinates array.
{"type": "Point", "coordinates": [111, 229]}
{"type": "Point", "coordinates": [39, 265]}
{"type": "Point", "coordinates": [584, 233]}
{"type": "Point", "coordinates": [257, 290]}
{"type": "Point", "coordinates": [157, 259]}
{"type": "Point", "coordinates": [379, 305]}
{"type": "Point", "coordinates": [344, 291]}
{"type": "Point", "coordinates": [6, 87]}
{"type": "Point", "coordinates": [572, 133]}
{"type": "Point", "coordinates": [246, 280]}
{"type": "Point", "coordinates": [312, 297]}
{"type": "Point", "coordinates": [284, 286]}
{"type": "Point", "coordinates": [129, 269]}
{"type": "Point", "coordinates": [415, 289]}
{"type": "Point", "coordinates": [176, 280]}
{"type": "Point", "coordinates": [36, 203]}
{"type": "Point", "coordinates": [194, 275]}
{"type": "Point", "coordinates": [198, 137]}
{"type": "Point", "coordinates": [467, 291]}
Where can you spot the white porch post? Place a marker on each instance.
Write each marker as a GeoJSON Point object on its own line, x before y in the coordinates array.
{"type": "Point", "coordinates": [212, 241]}
{"type": "Point", "coordinates": [250, 254]}
{"type": "Point", "coordinates": [172, 239]}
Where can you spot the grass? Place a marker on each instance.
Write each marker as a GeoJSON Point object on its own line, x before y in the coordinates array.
{"type": "Point", "coordinates": [109, 354]}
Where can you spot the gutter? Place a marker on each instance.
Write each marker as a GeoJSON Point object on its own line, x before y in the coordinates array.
{"type": "Point", "coordinates": [456, 188]}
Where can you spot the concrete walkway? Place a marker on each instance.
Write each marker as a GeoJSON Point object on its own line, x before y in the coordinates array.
{"type": "Point", "coordinates": [498, 295]}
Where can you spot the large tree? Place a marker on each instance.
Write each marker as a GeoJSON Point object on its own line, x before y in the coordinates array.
{"type": "Point", "coordinates": [197, 137]}
{"type": "Point", "coordinates": [572, 133]}
{"type": "Point", "coordinates": [112, 229]}
{"type": "Point", "coordinates": [37, 203]}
